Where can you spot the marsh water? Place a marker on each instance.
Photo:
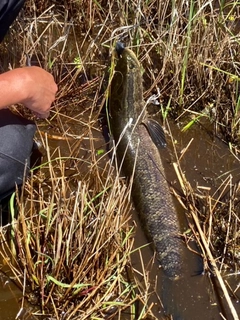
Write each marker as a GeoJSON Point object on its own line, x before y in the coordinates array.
{"type": "Point", "coordinates": [196, 296]}
{"type": "Point", "coordinates": [206, 164]}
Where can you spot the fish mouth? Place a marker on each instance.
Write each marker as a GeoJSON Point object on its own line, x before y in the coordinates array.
{"type": "Point", "coordinates": [127, 57]}
{"type": "Point", "coordinates": [119, 48]}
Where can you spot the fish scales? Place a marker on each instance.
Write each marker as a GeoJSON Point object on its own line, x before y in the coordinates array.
{"type": "Point", "coordinates": [150, 190]}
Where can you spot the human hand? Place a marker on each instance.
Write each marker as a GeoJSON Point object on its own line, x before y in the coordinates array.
{"type": "Point", "coordinates": [32, 86]}
{"type": "Point", "coordinates": [40, 90]}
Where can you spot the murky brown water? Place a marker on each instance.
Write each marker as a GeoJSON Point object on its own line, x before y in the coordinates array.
{"type": "Point", "coordinates": [11, 307]}
{"type": "Point", "coordinates": [206, 163]}
{"type": "Point", "coordinates": [9, 296]}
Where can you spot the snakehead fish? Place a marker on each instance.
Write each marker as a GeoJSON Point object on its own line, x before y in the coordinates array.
{"type": "Point", "coordinates": [138, 140]}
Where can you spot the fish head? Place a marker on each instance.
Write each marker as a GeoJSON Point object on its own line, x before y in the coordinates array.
{"type": "Point", "coordinates": [126, 86]}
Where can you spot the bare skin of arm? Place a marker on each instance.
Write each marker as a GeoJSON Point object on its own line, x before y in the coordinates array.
{"type": "Point", "coordinates": [33, 87]}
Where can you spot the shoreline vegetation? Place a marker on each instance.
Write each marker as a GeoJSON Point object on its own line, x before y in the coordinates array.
{"type": "Point", "coordinates": [70, 242]}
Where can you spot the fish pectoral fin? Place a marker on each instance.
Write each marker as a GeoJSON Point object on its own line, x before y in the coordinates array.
{"type": "Point", "coordinates": [156, 133]}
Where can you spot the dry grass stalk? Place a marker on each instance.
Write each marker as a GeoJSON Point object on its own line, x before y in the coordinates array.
{"type": "Point", "coordinates": [72, 242]}
{"type": "Point", "coordinates": [206, 245]}
{"type": "Point", "coordinates": [189, 51]}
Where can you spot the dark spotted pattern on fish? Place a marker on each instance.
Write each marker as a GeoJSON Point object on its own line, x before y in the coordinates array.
{"type": "Point", "coordinates": [150, 190]}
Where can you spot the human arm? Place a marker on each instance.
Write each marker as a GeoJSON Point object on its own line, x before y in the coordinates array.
{"type": "Point", "coordinates": [33, 87]}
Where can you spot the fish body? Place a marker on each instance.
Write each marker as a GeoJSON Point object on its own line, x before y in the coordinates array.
{"type": "Point", "coordinates": [137, 138]}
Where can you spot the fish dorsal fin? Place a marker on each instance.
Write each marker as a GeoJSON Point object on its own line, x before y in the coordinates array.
{"type": "Point", "coordinates": [156, 132]}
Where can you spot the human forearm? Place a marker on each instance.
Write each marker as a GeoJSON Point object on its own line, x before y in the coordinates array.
{"type": "Point", "coordinates": [11, 87]}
